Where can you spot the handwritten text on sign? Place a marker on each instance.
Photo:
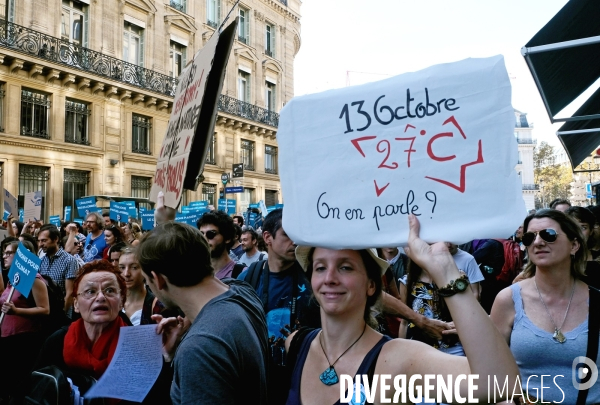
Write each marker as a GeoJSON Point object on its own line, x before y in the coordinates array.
{"type": "Point", "coordinates": [438, 144]}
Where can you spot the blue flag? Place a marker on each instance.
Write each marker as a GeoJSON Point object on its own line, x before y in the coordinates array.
{"type": "Point", "coordinates": [23, 270]}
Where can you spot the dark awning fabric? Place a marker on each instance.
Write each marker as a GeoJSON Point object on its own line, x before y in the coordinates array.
{"type": "Point", "coordinates": [564, 60]}
{"type": "Point", "coordinates": [580, 145]}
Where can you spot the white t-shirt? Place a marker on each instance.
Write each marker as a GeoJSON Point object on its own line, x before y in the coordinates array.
{"type": "Point", "coordinates": [467, 263]}
{"type": "Point", "coordinates": [248, 260]}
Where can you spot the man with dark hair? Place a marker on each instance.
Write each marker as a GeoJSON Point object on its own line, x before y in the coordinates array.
{"type": "Point", "coordinates": [238, 220]}
{"type": "Point", "coordinates": [219, 230]}
{"type": "Point", "coordinates": [58, 264]}
{"type": "Point", "coordinates": [222, 358]}
{"type": "Point", "coordinates": [237, 249]}
{"type": "Point", "coordinates": [286, 300]}
{"type": "Point", "coordinates": [249, 244]}
{"type": "Point", "coordinates": [107, 221]}
{"type": "Point", "coordinates": [560, 204]}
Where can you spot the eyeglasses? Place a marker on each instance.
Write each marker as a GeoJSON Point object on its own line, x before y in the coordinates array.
{"type": "Point", "coordinates": [210, 235]}
{"type": "Point", "coordinates": [108, 292]}
{"type": "Point", "coordinates": [8, 253]}
{"type": "Point", "coordinates": [548, 235]}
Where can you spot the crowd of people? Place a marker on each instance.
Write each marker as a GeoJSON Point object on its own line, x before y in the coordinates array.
{"type": "Point", "coordinates": [247, 316]}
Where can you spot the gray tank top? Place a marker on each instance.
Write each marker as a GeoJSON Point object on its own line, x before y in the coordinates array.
{"type": "Point", "coordinates": [537, 354]}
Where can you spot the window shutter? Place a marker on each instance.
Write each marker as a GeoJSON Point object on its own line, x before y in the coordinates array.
{"type": "Point", "coordinates": [11, 11]}
{"type": "Point", "coordinates": [125, 46]}
{"type": "Point", "coordinates": [218, 11]}
{"type": "Point", "coordinates": [141, 50]}
{"type": "Point", "coordinates": [183, 57]}
{"type": "Point", "coordinates": [86, 27]}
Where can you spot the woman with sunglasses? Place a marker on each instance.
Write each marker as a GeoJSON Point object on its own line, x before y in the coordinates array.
{"type": "Point", "coordinates": [346, 284]}
{"type": "Point", "coordinates": [544, 317]}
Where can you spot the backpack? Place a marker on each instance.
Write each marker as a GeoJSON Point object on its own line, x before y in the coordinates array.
{"type": "Point", "coordinates": [57, 317]}
{"type": "Point", "coordinates": [50, 386]}
{"type": "Point", "coordinates": [513, 260]}
{"type": "Point", "coordinates": [254, 272]}
{"type": "Point", "coordinates": [237, 269]}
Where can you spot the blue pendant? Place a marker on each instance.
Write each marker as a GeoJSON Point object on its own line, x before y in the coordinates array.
{"type": "Point", "coordinates": [329, 376]}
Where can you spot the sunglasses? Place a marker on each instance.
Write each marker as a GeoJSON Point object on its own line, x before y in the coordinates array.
{"type": "Point", "coordinates": [210, 235]}
{"type": "Point", "coordinates": [547, 235]}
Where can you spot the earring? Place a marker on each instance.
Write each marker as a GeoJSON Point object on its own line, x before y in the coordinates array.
{"type": "Point", "coordinates": [572, 257]}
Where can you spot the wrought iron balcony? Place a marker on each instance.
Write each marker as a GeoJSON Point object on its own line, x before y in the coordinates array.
{"type": "Point", "coordinates": [212, 24]}
{"type": "Point", "coordinates": [527, 141]}
{"type": "Point", "coordinates": [243, 39]}
{"type": "Point", "coordinates": [80, 141]}
{"type": "Point", "coordinates": [283, 2]}
{"type": "Point", "coordinates": [269, 53]}
{"type": "Point", "coordinates": [249, 111]}
{"type": "Point", "coordinates": [177, 5]}
{"type": "Point", "coordinates": [530, 187]}
{"type": "Point", "coordinates": [35, 43]}
{"type": "Point", "coordinates": [271, 170]}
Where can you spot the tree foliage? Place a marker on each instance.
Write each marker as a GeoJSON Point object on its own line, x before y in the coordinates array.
{"type": "Point", "coordinates": [554, 180]}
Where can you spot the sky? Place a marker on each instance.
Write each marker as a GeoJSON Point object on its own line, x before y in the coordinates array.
{"type": "Point", "coordinates": [351, 41]}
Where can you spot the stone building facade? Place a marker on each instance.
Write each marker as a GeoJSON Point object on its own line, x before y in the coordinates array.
{"type": "Point", "coordinates": [87, 86]}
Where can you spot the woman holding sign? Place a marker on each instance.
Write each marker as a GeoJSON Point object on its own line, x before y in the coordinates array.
{"type": "Point", "coordinates": [346, 284]}
{"type": "Point", "coordinates": [21, 326]}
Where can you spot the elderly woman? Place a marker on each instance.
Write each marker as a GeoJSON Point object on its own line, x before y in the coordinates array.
{"type": "Point", "coordinates": [89, 343]}
{"type": "Point", "coordinates": [346, 284]}
{"type": "Point", "coordinates": [21, 326]}
{"type": "Point", "coordinates": [141, 304]}
{"type": "Point", "coordinates": [544, 317]}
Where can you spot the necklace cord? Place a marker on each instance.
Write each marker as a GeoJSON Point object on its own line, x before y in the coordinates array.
{"type": "Point", "coordinates": [556, 328]}
{"type": "Point", "coordinates": [345, 351]}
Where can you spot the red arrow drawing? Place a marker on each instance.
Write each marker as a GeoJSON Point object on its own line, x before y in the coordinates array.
{"type": "Point", "coordinates": [379, 190]}
{"type": "Point", "coordinates": [357, 140]}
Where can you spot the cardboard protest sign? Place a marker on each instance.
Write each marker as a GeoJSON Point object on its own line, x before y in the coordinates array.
{"type": "Point", "coordinates": [437, 143]}
{"type": "Point", "coordinates": [133, 212]}
{"type": "Point", "coordinates": [33, 206]}
{"type": "Point", "coordinates": [21, 214]}
{"type": "Point", "coordinates": [23, 270]}
{"type": "Point", "coordinates": [201, 203]}
{"type": "Point", "coordinates": [119, 212]}
{"type": "Point", "coordinates": [11, 203]}
{"type": "Point", "coordinates": [55, 220]}
{"type": "Point", "coordinates": [67, 215]}
{"type": "Point", "coordinates": [147, 220]}
{"type": "Point", "coordinates": [191, 125]}
{"type": "Point", "coordinates": [86, 205]}
{"type": "Point", "coordinates": [189, 219]}
{"type": "Point", "coordinates": [226, 205]}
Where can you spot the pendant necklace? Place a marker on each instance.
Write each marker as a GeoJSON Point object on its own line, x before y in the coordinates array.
{"type": "Point", "coordinates": [558, 335]}
{"type": "Point", "coordinates": [329, 376]}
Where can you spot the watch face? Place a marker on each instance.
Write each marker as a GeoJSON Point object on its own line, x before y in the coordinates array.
{"type": "Point", "coordinates": [461, 285]}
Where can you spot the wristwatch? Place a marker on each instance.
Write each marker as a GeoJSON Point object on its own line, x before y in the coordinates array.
{"type": "Point", "coordinates": [455, 286]}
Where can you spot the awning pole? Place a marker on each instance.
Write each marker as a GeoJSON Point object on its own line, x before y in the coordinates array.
{"type": "Point", "coordinates": [578, 131]}
{"type": "Point", "coordinates": [560, 45]}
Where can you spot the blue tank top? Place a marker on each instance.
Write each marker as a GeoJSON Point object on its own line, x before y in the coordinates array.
{"type": "Point", "coordinates": [537, 353]}
{"type": "Point", "coordinates": [370, 358]}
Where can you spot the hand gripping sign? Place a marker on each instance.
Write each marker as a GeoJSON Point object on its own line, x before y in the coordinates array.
{"type": "Point", "coordinates": [437, 143]}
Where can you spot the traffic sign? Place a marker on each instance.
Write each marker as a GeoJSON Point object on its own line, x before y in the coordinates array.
{"type": "Point", "coordinates": [229, 190]}
{"type": "Point", "coordinates": [237, 170]}
{"type": "Point", "coordinates": [225, 178]}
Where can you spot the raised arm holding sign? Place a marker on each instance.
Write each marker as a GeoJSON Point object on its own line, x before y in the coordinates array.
{"type": "Point", "coordinates": [437, 144]}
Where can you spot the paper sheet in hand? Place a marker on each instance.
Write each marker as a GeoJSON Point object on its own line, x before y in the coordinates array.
{"type": "Point", "coordinates": [437, 143]}
{"type": "Point", "coordinates": [134, 367]}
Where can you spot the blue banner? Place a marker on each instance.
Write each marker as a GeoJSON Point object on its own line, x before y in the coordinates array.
{"type": "Point", "coordinates": [119, 212]}
{"type": "Point", "coordinates": [189, 219]}
{"type": "Point", "coordinates": [55, 220]}
{"type": "Point", "coordinates": [147, 220]}
{"type": "Point", "coordinates": [86, 206]}
{"type": "Point", "coordinates": [79, 221]}
{"type": "Point", "coordinates": [230, 205]}
{"type": "Point", "coordinates": [202, 203]}
{"type": "Point", "coordinates": [23, 270]}
{"type": "Point", "coordinates": [67, 215]}
{"type": "Point", "coordinates": [5, 216]}
{"type": "Point", "coordinates": [21, 214]}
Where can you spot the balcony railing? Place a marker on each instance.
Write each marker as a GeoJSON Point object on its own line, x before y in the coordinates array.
{"type": "Point", "coordinates": [212, 24]}
{"type": "Point", "coordinates": [249, 111]}
{"type": "Point", "coordinates": [178, 6]}
{"type": "Point", "coordinates": [243, 39]}
{"type": "Point", "coordinates": [527, 141]}
{"type": "Point", "coordinates": [269, 53]}
{"type": "Point", "coordinates": [283, 2]}
{"type": "Point", "coordinates": [530, 187]}
{"type": "Point", "coordinates": [31, 42]}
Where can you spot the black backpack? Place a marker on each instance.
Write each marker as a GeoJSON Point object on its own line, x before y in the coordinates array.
{"type": "Point", "coordinates": [49, 386]}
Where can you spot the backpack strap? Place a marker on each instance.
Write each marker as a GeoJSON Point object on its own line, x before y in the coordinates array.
{"type": "Point", "coordinates": [237, 269]}
{"type": "Point", "coordinates": [254, 271]}
{"type": "Point", "coordinates": [593, 335]}
{"type": "Point", "coordinates": [295, 344]}
{"type": "Point", "coordinates": [260, 257]}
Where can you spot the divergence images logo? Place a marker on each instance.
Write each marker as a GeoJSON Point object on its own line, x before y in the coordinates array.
{"type": "Point", "coordinates": [585, 373]}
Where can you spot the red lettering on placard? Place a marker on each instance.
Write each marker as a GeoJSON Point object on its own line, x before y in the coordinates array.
{"type": "Point", "coordinates": [410, 148]}
{"type": "Point", "coordinates": [463, 169]}
{"type": "Point", "coordinates": [452, 120]}
{"type": "Point", "coordinates": [430, 150]}
{"type": "Point", "coordinates": [357, 140]}
{"type": "Point", "coordinates": [378, 190]}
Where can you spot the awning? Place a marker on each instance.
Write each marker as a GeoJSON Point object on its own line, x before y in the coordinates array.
{"type": "Point", "coordinates": [564, 60]}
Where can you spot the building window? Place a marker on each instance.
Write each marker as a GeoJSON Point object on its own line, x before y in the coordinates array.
{"type": "Point", "coordinates": [33, 179]}
{"type": "Point", "coordinates": [270, 96]}
{"type": "Point", "coordinates": [271, 198]}
{"type": "Point", "coordinates": [243, 86]}
{"type": "Point", "coordinates": [179, 5]}
{"type": "Point", "coordinates": [243, 28]}
{"type": "Point", "coordinates": [246, 198]}
{"type": "Point", "coordinates": [2, 107]}
{"type": "Point", "coordinates": [75, 186]}
{"type": "Point", "coordinates": [177, 54]}
{"type": "Point", "coordinates": [11, 10]}
{"type": "Point", "coordinates": [34, 114]}
{"type": "Point", "coordinates": [140, 130]}
{"type": "Point", "coordinates": [270, 40]}
{"type": "Point", "coordinates": [213, 13]}
{"type": "Point", "coordinates": [73, 26]}
{"type": "Point", "coordinates": [270, 159]}
{"type": "Point", "coordinates": [76, 122]}
{"type": "Point", "coordinates": [210, 154]}
{"type": "Point", "coordinates": [208, 193]}
{"type": "Point", "coordinates": [133, 44]}
{"type": "Point", "coordinates": [248, 154]}
{"type": "Point", "coordinates": [140, 188]}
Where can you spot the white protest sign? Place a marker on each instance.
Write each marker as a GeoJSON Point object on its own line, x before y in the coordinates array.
{"type": "Point", "coordinates": [33, 206]}
{"type": "Point", "coordinates": [437, 143]}
{"type": "Point", "coordinates": [11, 204]}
